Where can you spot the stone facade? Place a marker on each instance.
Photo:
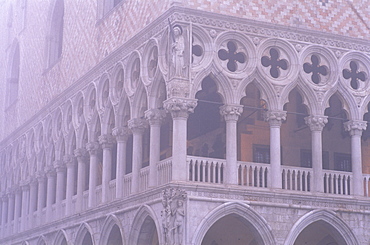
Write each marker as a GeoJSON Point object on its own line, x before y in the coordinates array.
{"type": "Point", "coordinates": [184, 122]}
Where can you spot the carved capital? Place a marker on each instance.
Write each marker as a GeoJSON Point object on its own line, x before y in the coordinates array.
{"type": "Point", "coordinates": [59, 165]}
{"type": "Point", "coordinates": [40, 176]}
{"type": "Point", "coordinates": [275, 118]}
{"type": "Point", "coordinates": [121, 133]}
{"type": "Point", "coordinates": [68, 160]}
{"type": "Point", "coordinates": [92, 148]}
{"type": "Point", "coordinates": [137, 125]}
{"type": "Point", "coordinates": [316, 123]}
{"type": "Point", "coordinates": [355, 127]}
{"type": "Point", "coordinates": [180, 107]}
{"type": "Point", "coordinates": [155, 116]}
{"type": "Point", "coordinates": [25, 185]}
{"type": "Point", "coordinates": [80, 154]}
{"type": "Point", "coordinates": [50, 171]}
{"type": "Point", "coordinates": [106, 141]}
{"type": "Point", "coordinates": [231, 112]}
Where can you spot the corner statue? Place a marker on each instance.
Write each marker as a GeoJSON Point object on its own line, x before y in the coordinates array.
{"type": "Point", "coordinates": [177, 51]}
{"type": "Point", "coordinates": [173, 216]}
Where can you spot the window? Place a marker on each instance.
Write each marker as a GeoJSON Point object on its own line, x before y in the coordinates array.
{"type": "Point", "coordinates": [261, 153]}
{"type": "Point", "coordinates": [342, 162]}
{"type": "Point", "coordinates": [13, 75]}
{"type": "Point", "coordinates": [55, 38]}
{"type": "Point", "coordinates": [306, 159]}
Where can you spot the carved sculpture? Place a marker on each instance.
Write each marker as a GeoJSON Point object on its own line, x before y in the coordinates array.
{"type": "Point", "coordinates": [173, 216]}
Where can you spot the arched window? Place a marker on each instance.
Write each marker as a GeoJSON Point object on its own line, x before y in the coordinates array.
{"type": "Point", "coordinates": [13, 75]}
{"type": "Point", "coordinates": [55, 38]}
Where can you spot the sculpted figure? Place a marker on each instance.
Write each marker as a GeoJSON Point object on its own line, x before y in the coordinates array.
{"type": "Point", "coordinates": [178, 47]}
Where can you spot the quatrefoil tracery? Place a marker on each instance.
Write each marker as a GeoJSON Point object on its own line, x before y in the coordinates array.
{"type": "Point", "coordinates": [274, 62]}
{"type": "Point", "coordinates": [316, 69]}
{"type": "Point", "coordinates": [232, 56]}
{"type": "Point", "coordinates": [354, 75]}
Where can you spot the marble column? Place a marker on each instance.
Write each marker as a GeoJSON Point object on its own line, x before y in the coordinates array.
{"type": "Point", "coordinates": [50, 193]}
{"type": "Point", "coordinates": [32, 201]}
{"type": "Point", "coordinates": [92, 148]}
{"type": "Point", "coordinates": [155, 118]}
{"type": "Point", "coordinates": [41, 198]}
{"type": "Point", "coordinates": [275, 118]}
{"type": "Point", "coordinates": [60, 168]}
{"type": "Point", "coordinates": [11, 200]}
{"type": "Point", "coordinates": [80, 154]}
{"type": "Point", "coordinates": [70, 163]}
{"type": "Point", "coordinates": [4, 214]}
{"type": "Point", "coordinates": [231, 114]}
{"type": "Point", "coordinates": [180, 108]}
{"type": "Point", "coordinates": [17, 208]}
{"type": "Point", "coordinates": [25, 204]}
{"type": "Point", "coordinates": [122, 134]}
{"type": "Point", "coordinates": [137, 126]}
{"type": "Point", "coordinates": [317, 124]}
{"type": "Point", "coordinates": [106, 142]}
{"type": "Point", "coordinates": [355, 129]}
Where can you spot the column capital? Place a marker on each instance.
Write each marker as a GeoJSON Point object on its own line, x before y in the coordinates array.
{"type": "Point", "coordinates": [40, 175]}
{"type": "Point", "coordinates": [137, 125]}
{"type": "Point", "coordinates": [68, 160]}
{"type": "Point", "coordinates": [106, 141]}
{"type": "Point", "coordinates": [316, 123]}
{"type": "Point", "coordinates": [80, 153]}
{"type": "Point", "coordinates": [155, 116]}
{"type": "Point", "coordinates": [231, 112]}
{"type": "Point", "coordinates": [33, 181]}
{"type": "Point", "coordinates": [50, 171]}
{"type": "Point", "coordinates": [275, 118]}
{"type": "Point", "coordinates": [59, 165]}
{"type": "Point", "coordinates": [10, 192]}
{"type": "Point", "coordinates": [355, 127]}
{"type": "Point", "coordinates": [4, 197]}
{"type": "Point", "coordinates": [180, 107]}
{"type": "Point", "coordinates": [25, 185]}
{"type": "Point", "coordinates": [121, 133]}
{"type": "Point", "coordinates": [92, 148]}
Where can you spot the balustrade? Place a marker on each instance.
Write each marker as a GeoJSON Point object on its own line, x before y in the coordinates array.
{"type": "Point", "coordinates": [337, 182]}
{"type": "Point", "coordinates": [144, 178]}
{"type": "Point", "coordinates": [297, 178]}
{"type": "Point", "coordinates": [164, 171]}
{"type": "Point", "coordinates": [253, 174]}
{"type": "Point", "coordinates": [206, 170]}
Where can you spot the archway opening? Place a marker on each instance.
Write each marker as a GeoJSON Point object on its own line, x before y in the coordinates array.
{"type": "Point", "coordinates": [319, 233]}
{"type": "Point", "coordinates": [115, 236]}
{"type": "Point", "coordinates": [206, 127]}
{"type": "Point", "coordinates": [232, 229]}
{"type": "Point", "coordinates": [148, 234]}
{"type": "Point", "coordinates": [87, 239]}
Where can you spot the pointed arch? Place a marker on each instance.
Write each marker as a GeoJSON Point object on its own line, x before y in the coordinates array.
{"type": "Point", "coordinates": [41, 241]}
{"type": "Point", "coordinates": [61, 238]}
{"type": "Point", "coordinates": [110, 222]}
{"type": "Point", "coordinates": [140, 217]}
{"type": "Point", "coordinates": [83, 231]}
{"type": "Point", "coordinates": [224, 85]}
{"type": "Point", "coordinates": [347, 100]}
{"type": "Point", "coordinates": [326, 216]}
{"type": "Point", "coordinates": [239, 209]}
{"type": "Point", "coordinates": [139, 102]}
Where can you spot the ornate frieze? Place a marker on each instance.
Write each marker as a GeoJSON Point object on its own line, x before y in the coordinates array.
{"type": "Point", "coordinates": [173, 216]}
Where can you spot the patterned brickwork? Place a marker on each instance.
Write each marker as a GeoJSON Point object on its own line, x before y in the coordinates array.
{"type": "Point", "coordinates": [87, 40]}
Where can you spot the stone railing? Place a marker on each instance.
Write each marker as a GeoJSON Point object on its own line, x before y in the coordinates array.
{"type": "Point", "coordinates": [144, 178]}
{"type": "Point", "coordinates": [127, 180]}
{"type": "Point", "coordinates": [253, 174]}
{"type": "Point", "coordinates": [337, 182]}
{"type": "Point", "coordinates": [206, 169]}
{"type": "Point", "coordinates": [164, 171]}
{"type": "Point", "coordinates": [296, 178]}
{"type": "Point", "coordinates": [366, 185]}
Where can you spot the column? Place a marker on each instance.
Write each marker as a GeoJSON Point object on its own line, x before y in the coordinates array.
{"type": "Point", "coordinates": [33, 200]}
{"type": "Point", "coordinates": [80, 154]}
{"type": "Point", "coordinates": [40, 175]}
{"type": "Point", "coordinates": [50, 193]}
{"type": "Point", "coordinates": [60, 186]}
{"type": "Point", "coordinates": [106, 142]}
{"type": "Point", "coordinates": [317, 124]}
{"type": "Point", "coordinates": [17, 208]}
{"type": "Point", "coordinates": [25, 204]}
{"type": "Point", "coordinates": [69, 162]}
{"type": "Point", "coordinates": [275, 118]}
{"type": "Point", "coordinates": [92, 148]}
{"type": "Point", "coordinates": [10, 205]}
{"type": "Point", "coordinates": [231, 114]}
{"type": "Point", "coordinates": [355, 129]}
{"type": "Point", "coordinates": [4, 214]}
{"type": "Point", "coordinates": [121, 134]}
{"type": "Point", "coordinates": [137, 126]}
{"type": "Point", "coordinates": [180, 108]}
{"type": "Point", "coordinates": [155, 118]}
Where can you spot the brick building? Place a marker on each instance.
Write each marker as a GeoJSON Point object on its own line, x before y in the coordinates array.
{"type": "Point", "coordinates": [184, 122]}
